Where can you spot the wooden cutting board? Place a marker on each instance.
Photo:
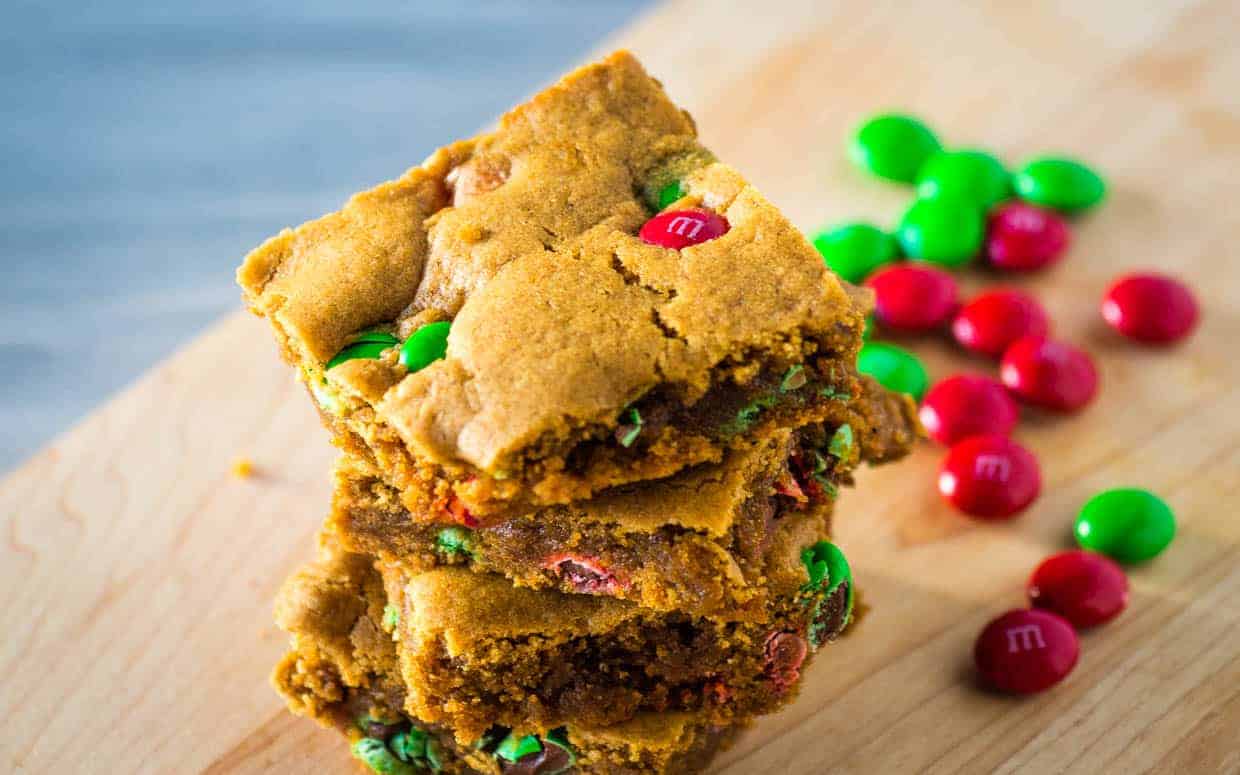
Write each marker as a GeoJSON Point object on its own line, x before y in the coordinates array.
{"type": "Point", "coordinates": [137, 574]}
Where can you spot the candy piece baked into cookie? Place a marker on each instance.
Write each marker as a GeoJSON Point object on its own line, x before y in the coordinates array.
{"type": "Point", "coordinates": [342, 671]}
{"type": "Point", "coordinates": [477, 651]}
{"type": "Point", "coordinates": [695, 542]}
{"type": "Point", "coordinates": [580, 299]}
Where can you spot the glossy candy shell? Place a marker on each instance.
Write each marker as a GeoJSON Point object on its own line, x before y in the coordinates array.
{"type": "Point", "coordinates": [1026, 651]}
{"type": "Point", "coordinates": [990, 477]}
{"type": "Point", "coordinates": [989, 323]}
{"type": "Point", "coordinates": [967, 405]}
{"type": "Point", "coordinates": [1150, 308]}
{"type": "Point", "coordinates": [1051, 374]}
{"type": "Point", "coordinates": [1085, 588]}
{"type": "Point", "coordinates": [1128, 524]}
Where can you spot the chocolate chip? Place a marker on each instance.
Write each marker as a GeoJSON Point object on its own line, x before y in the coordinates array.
{"type": "Point", "coordinates": [550, 760]}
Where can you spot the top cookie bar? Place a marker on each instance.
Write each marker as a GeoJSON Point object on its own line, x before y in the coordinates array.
{"type": "Point", "coordinates": [588, 343]}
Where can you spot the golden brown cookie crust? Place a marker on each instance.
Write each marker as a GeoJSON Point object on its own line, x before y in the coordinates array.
{"type": "Point", "coordinates": [525, 238]}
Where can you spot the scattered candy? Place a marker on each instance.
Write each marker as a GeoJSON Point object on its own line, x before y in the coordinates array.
{"type": "Point", "coordinates": [893, 146]}
{"type": "Point", "coordinates": [1022, 237]}
{"type": "Point", "coordinates": [679, 229]}
{"type": "Point", "coordinates": [967, 405]}
{"type": "Point", "coordinates": [991, 477]}
{"type": "Point", "coordinates": [1128, 524]}
{"type": "Point", "coordinates": [1062, 184]}
{"type": "Point", "coordinates": [1048, 373]}
{"type": "Point", "coordinates": [894, 367]}
{"type": "Point", "coordinates": [1150, 308]}
{"type": "Point", "coordinates": [854, 250]}
{"type": "Point", "coordinates": [993, 320]}
{"type": "Point", "coordinates": [909, 297]}
{"type": "Point", "coordinates": [1025, 651]}
{"type": "Point", "coordinates": [1085, 588]}
{"type": "Point", "coordinates": [985, 473]}
{"type": "Point", "coordinates": [975, 176]}
{"type": "Point", "coordinates": [945, 230]}
{"type": "Point", "coordinates": [425, 346]}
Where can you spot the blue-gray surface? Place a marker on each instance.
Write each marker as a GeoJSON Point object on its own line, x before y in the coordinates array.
{"type": "Point", "coordinates": [147, 146]}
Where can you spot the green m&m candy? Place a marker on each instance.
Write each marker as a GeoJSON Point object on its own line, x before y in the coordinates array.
{"type": "Point", "coordinates": [894, 367]}
{"type": "Point", "coordinates": [425, 346]}
{"type": "Point", "coordinates": [945, 230]}
{"type": "Point", "coordinates": [453, 540]}
{"type": "Point", "coordinates": [828, 569]}
{"type": "Point", "coordinates": [670, 193]}
{"type": "Point", "coordinates": [1128, 524]}
{"type": "Point", "coordinates": [1059, 183]}
{"type": "Point", "coordinates": [512, 748]}
{"type": "Point", "coordinates": [971, 175]}
{"type": "Point", "coordinates": [368, 344]}
{"type": "Point", "coordinates": [893, 146]}
{"type": "Point", "coordinates": [375, 755]}
{"type": "Point", "coordinates": [854, 250]}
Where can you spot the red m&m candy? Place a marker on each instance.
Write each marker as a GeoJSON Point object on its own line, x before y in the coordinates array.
{"type": "Point", "coordinates": [913, 297]}
{"type": "Point", "coordinates": [1150, 308]}
{"type": "Point", "coordinates": [1051, 374]}
{"type": "Point", "coordinates": [967, 405]}
{"type": "Point", "coordinates": [681, 228]}
{"type": "Point", "coordinates": [991, 477]}
{"type": "Point", "coordinates": [1021, 236]}
{"type": "Point", "coordinates": [1085, 588]}
{"type": "Point", "coordinates": [1026, 651]}
{"type": "Point", "coordinates": [989, 323]}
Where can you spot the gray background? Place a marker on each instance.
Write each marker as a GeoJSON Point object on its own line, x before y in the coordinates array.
{"type": "Point", "coordinates": [147, 146]}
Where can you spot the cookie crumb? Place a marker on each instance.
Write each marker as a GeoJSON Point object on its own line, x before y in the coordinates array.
{"type": "Point", "coordinates": [242, 468]}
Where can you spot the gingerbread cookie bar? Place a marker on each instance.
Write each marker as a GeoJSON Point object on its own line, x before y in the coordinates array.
{"type": "Point", "coordinates": [476, 651]}
{"type": "Point", "coordinates": [514, 323]}
{"type": "Point", "coordinates": [342, 671]}
{"type": "Point", "coordinates": [694, 543]}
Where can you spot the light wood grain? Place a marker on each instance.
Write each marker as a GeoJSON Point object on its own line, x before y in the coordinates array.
{"type": "Point", "coordinates": [136, 574]}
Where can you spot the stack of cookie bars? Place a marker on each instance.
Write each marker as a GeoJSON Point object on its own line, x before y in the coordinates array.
{"type": "Point", "coordinates": [581, 519]}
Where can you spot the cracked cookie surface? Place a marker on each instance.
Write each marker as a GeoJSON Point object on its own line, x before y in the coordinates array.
{"type": "Point", "coordinates": [562, 318]}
